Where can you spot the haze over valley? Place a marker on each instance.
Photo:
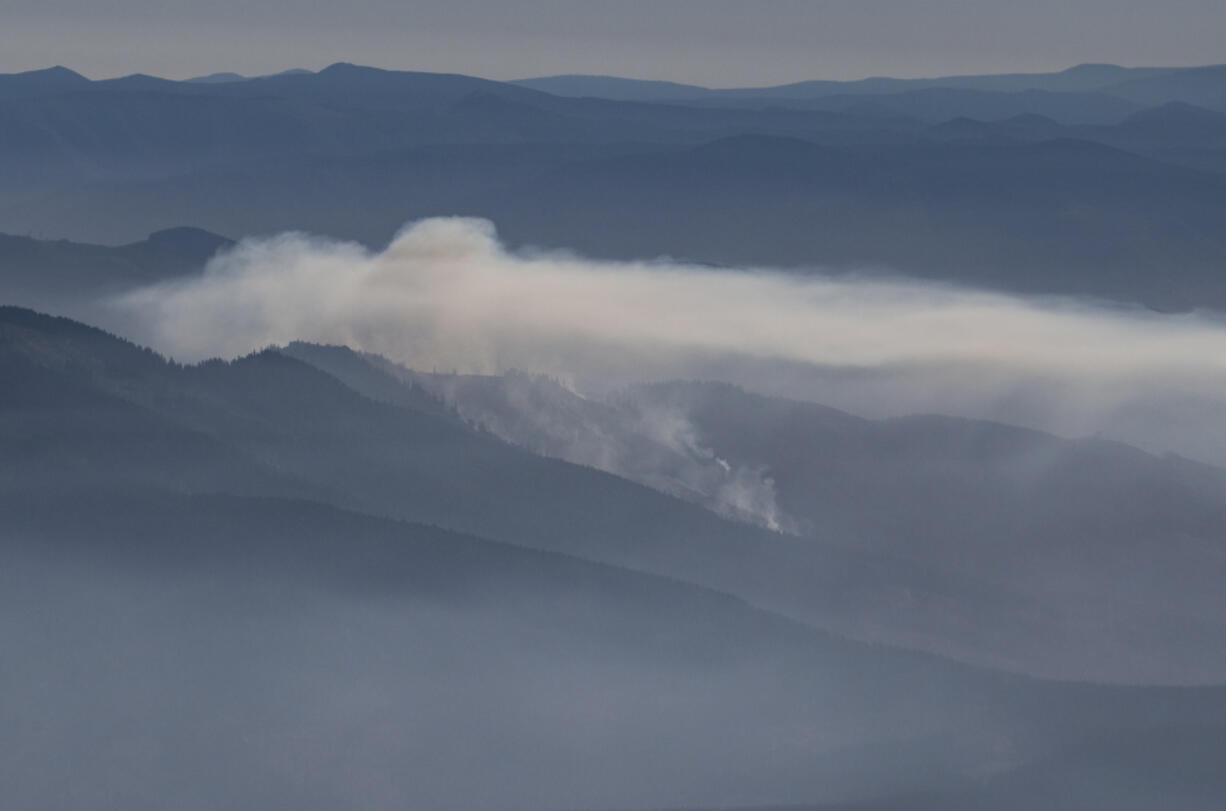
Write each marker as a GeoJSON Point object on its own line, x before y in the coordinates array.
{"type": "Point", "coordinates": [393, 439]}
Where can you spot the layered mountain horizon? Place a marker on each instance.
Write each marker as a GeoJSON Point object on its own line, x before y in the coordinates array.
{"type": "Point", "coordinates": [393, 439]}
{"type": "Point", "coordinates": [1123, 202]}
{"type": "Point", "coordinates": [1087, 76]}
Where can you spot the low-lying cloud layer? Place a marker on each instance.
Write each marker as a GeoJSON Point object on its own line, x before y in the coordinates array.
{"type": "Point", "coordinates": [446, 295]}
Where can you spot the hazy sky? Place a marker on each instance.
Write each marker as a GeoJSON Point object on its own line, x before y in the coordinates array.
{"type": "Point", "coordinates": [713, 42]}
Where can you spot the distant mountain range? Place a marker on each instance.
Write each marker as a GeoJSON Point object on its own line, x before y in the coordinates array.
{"type": "Point", "coordinates": [1011, 182]}
{"type": "Point", "coordinates": [218, 78]}
{"type": "Point", "coordinates": [1166, 84]}
{"type": "Point", "coordinates": [1079, 218]}
{"type": "Point", "coordinates": [68, 276]}
{"type": "Point", "coordinates": [1085, 78]}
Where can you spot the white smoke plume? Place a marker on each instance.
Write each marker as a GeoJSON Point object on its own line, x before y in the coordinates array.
{"type": "Point", "coordinates": [637, 438]}
{"type": "Point", "coordinates": [446, 295]}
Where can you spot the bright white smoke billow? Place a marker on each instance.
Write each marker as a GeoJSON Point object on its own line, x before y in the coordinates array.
{"type": "Point", "coordinates": [446, 295]}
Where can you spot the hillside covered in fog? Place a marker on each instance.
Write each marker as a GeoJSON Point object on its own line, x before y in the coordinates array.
{"type": "Point", "coordinates": [243, 524]}
{"type": "Point", "coordinates": [385, 439]}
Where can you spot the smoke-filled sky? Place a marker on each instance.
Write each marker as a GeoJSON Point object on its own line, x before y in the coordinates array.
{"type": "Point", "coordinates": [711, 42]}
{"type": "Point", "coordinates": [446, 295]}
